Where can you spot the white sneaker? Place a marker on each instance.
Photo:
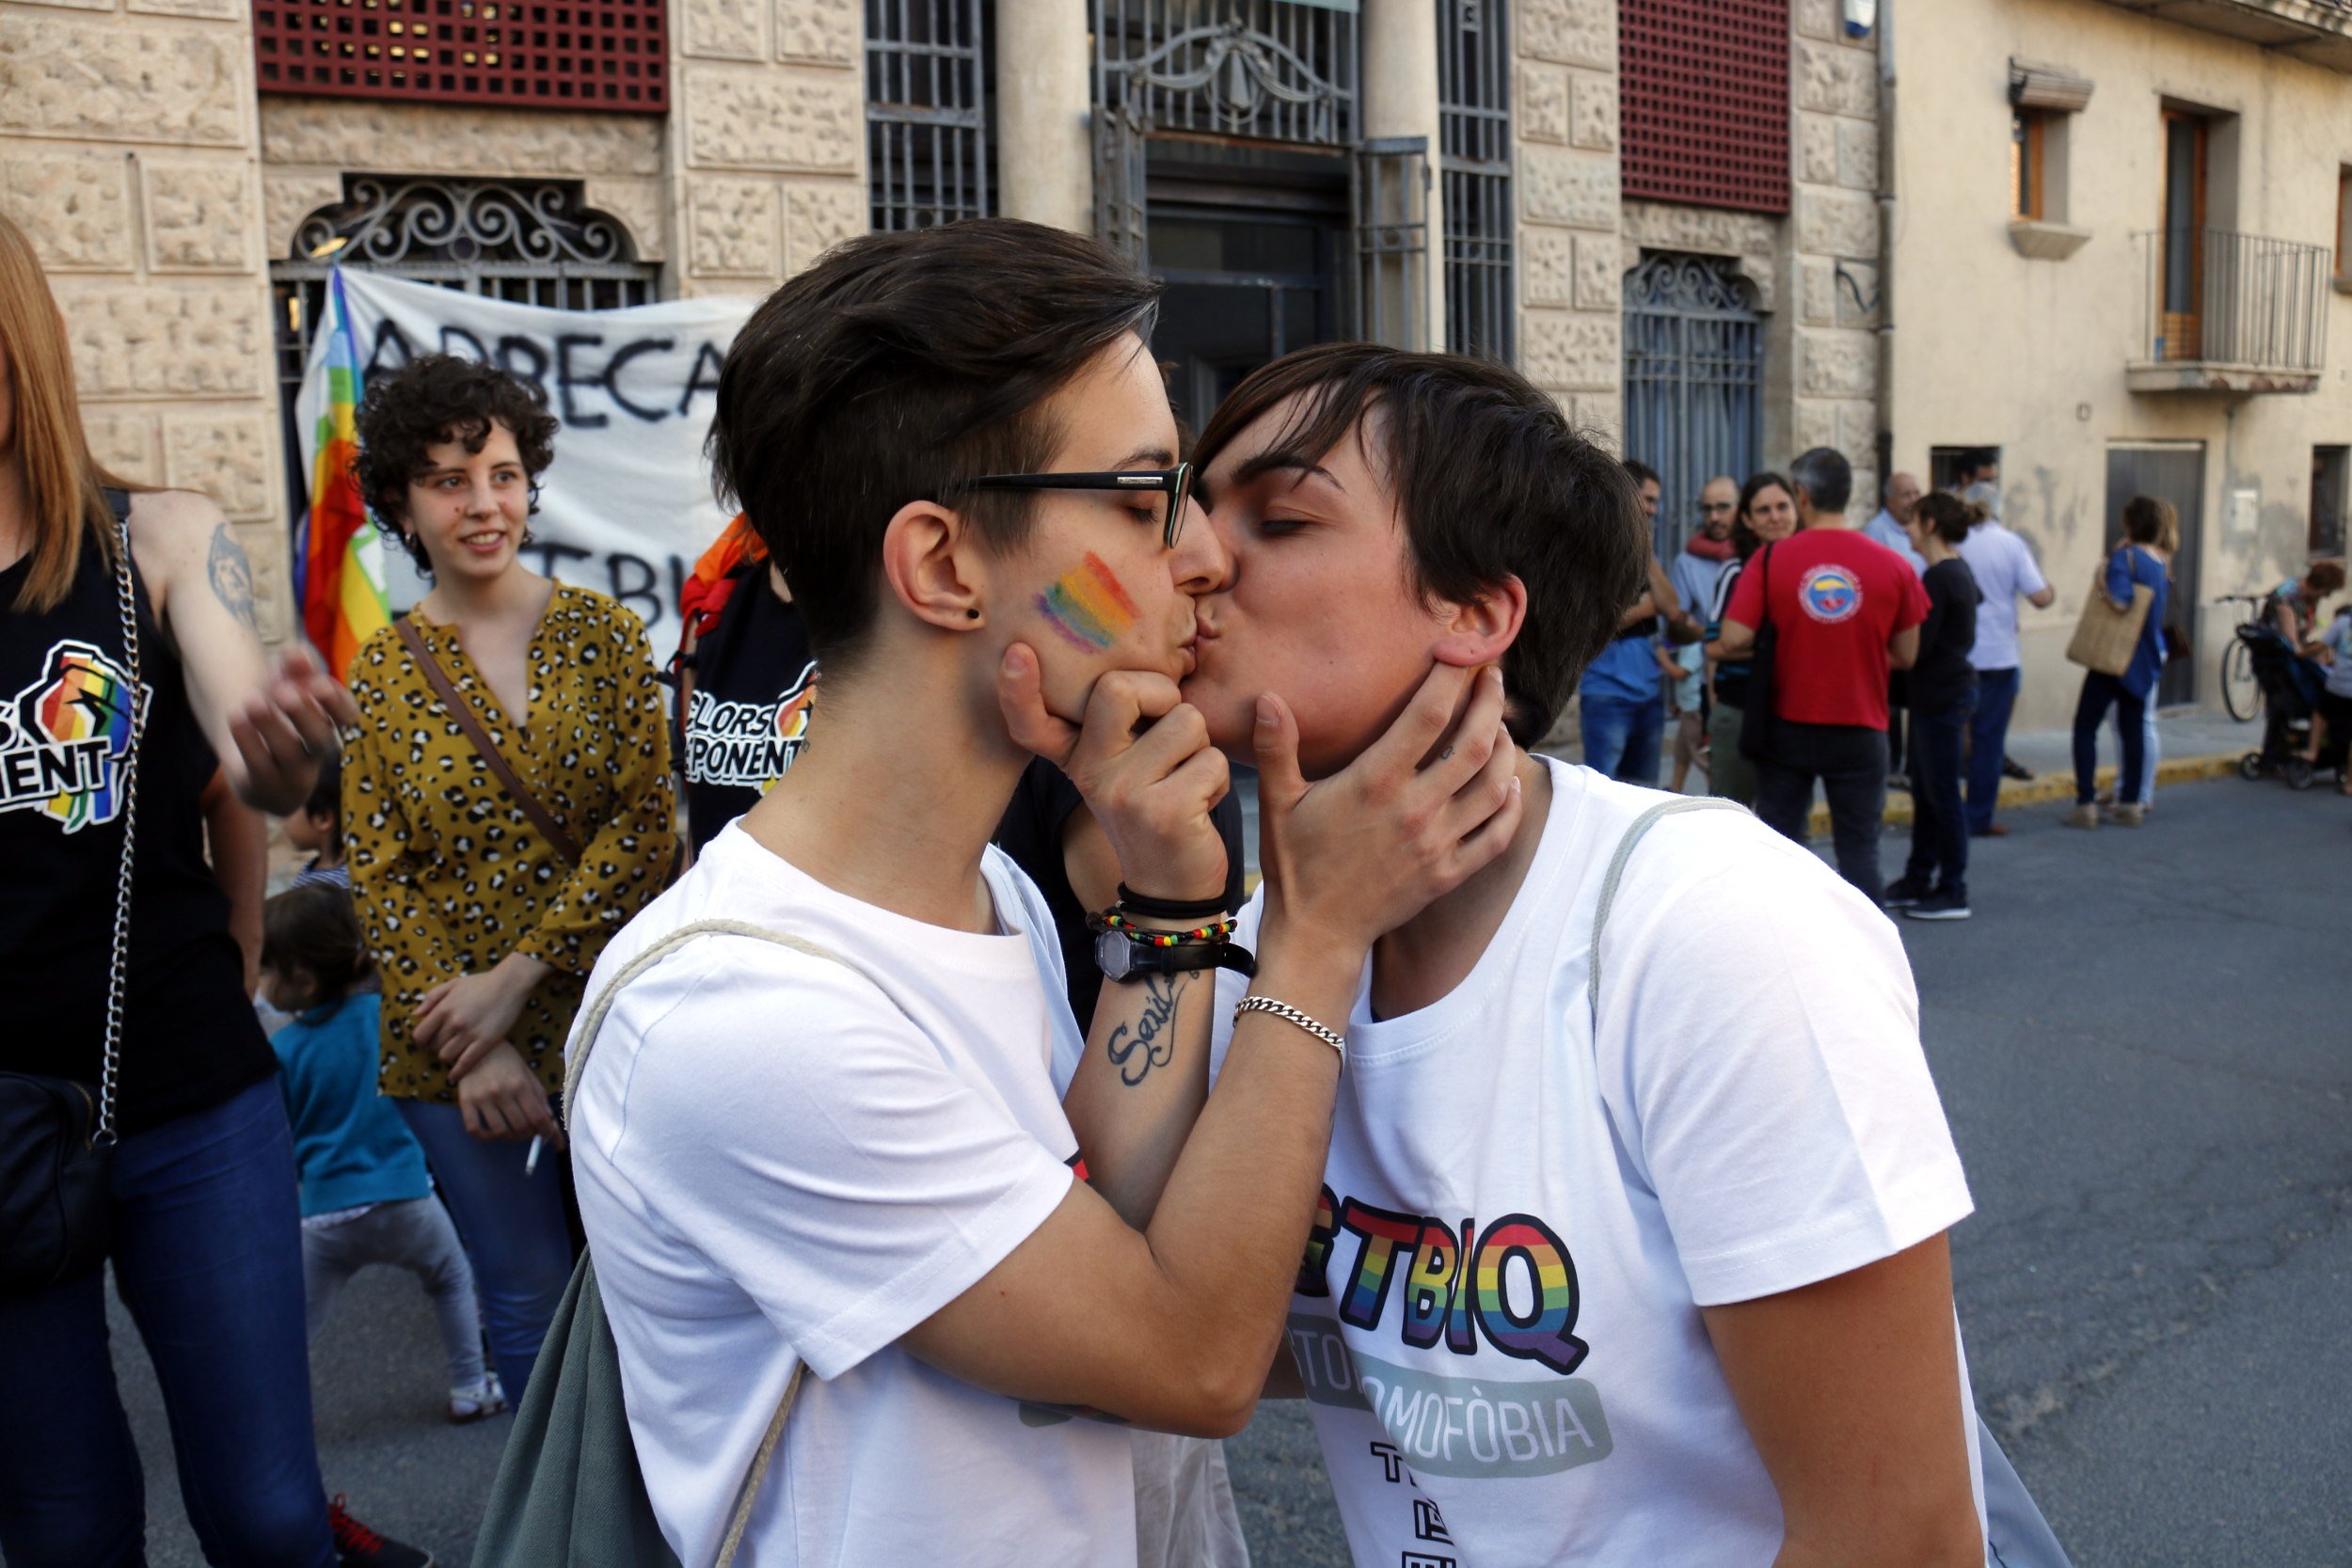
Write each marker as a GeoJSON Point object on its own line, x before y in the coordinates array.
{"type": "Point", "coordinates": [481, 1402]}
{"type": "Point", "coordinates": [2083, 816]}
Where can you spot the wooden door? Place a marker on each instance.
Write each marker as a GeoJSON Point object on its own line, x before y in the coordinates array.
{"type": "Point", "coordinates": [2180, 322]}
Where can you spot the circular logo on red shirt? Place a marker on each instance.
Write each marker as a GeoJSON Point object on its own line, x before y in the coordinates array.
{"type": "Point", "coordinates": [1830, 593]}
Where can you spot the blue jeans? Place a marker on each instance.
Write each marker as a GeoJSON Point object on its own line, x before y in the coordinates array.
{"type": "Point", "coordinates": [208, 1258]}
{"type": "Point", "coordinates": [2091, 711]}
{"type": "Point", "coordinates": [1988, 741]}
{"type": "Point", "coordinates": [1939, 831]}
{"type": "Point", "coordinates": [514, 1226]}
{"type": "Point", "coordinates": [1622, 738]}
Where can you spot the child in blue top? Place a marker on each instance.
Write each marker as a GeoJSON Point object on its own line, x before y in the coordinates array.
{"type": "Point", "coordinates": [366, 1195]}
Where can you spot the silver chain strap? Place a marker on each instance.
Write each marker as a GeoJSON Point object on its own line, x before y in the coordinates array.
{"type": "Point", "coordinates": [118, 968]}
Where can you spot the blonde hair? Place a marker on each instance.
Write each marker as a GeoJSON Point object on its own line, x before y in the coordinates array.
{"type": "Point", "coordinates": [64, 485]}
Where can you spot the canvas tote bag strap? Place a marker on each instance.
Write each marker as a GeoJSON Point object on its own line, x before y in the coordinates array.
{"type": "Point", "coordinates": [461, 710]}
{"type": "Point", "coordinates": [590, 1021]}
{"type": "Point", "coordinates": [1625, 846]}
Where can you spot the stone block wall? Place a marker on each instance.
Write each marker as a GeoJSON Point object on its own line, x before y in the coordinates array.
{"type": "Point", "coordinates": [766, 158]}
{"type": "Point", "coordinates": [1570, 262]}
{"type": "Point", "coordinates": [129, 152]}
{"type": "Point", "coordinates": [1830, 346]}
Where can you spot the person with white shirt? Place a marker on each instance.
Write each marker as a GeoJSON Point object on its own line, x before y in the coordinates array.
{"type": "Point", "coordinates": [1630, 1246]}
{"type": "Point", "coordinates": [850, 1157]}
{"type": "Point", "coordinates": [1892, 527]}
{"type": "Point", "coordinates": [2006, 572]}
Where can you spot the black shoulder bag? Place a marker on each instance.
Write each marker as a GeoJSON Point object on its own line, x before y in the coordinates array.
{"type": "Point", "coordinates": [58, 1134]}
{"type": "Point", "coordinates": [1756, 727]}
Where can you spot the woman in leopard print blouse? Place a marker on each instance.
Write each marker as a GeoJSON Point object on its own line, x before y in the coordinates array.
{"type": "Point", "coordinates": [483, 931]}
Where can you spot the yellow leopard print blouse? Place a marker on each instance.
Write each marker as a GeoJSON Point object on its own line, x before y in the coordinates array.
{"type": "Point", "coordinates": [449, 875]}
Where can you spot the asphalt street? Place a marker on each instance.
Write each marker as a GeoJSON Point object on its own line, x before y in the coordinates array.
{"type": "Point", "coordinates": [2142, 1042]}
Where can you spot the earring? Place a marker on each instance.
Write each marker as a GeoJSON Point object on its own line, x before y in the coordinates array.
{"type": "Point", "coordinates": [972, 615]}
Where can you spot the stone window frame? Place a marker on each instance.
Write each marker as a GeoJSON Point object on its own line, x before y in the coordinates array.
{"type": "Point", "coordinates": [2043, 102]}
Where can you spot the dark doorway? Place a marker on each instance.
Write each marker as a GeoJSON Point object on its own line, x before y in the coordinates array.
{"type": "Point", "coordinates": [2172, 472]}
{"type": "Point", "coordinates": [1252, 246]}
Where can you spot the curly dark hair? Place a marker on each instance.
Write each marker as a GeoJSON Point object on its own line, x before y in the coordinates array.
{"type": "Point", "coordinates": [436, 398]}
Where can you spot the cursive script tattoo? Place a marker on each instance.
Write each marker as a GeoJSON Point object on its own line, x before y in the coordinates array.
{"type": "Point", "coordinates": [1153, 1041]}
{"type": "Point", "coordinates": [231, 575]}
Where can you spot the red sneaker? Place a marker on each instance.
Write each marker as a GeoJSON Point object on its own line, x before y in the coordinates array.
{"type": "Point", "coordinates": [358, 1546]}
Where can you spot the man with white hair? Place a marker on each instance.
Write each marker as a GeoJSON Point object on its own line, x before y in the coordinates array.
{"type": "Point", "coordinates": [2005, 570]}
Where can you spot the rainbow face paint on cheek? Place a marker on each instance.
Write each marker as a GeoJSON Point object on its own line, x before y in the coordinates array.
{"type": "Point", "coordinates": [1089, 606]}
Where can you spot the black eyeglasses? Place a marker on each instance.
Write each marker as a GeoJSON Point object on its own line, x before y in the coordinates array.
{"type": "Point", "coordinates": [1175, 483]}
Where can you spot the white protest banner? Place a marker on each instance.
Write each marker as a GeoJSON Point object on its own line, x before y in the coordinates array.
{"type": "Point", "coordinates": [627, 506]}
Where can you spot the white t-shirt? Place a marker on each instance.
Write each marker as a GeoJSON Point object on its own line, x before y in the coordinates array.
{"type": "Point", "coordinates": [1757, 1115]}
{"type": "Point", "coordinates": [774, 1161]}
{"type": "Point", "coordinates": [2003, 569]}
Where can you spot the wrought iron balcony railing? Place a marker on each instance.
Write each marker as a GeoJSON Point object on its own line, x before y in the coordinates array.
{"type": "Point", "coordinates": [2230, 312]}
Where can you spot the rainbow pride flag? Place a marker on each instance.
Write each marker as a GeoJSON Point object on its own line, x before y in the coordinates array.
{"type": "Point", "coordinates": [342, 555]}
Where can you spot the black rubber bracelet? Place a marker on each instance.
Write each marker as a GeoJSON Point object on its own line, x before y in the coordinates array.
{"type": "Point", "coordinates": [1170, 909]}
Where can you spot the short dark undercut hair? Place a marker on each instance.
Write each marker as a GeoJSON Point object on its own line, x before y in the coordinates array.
{"type": "Point", "coordinates": [1491, 482]}
{"type": "Point", "coordinates": [897, 368]}
{"type": "Point", "coordinates": [436, 398]}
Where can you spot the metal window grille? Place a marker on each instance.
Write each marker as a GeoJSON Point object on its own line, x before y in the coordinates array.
{"type": "Point", "coordinates": [1475, 129]}
{"type": "Point", "coordinates": [1269, 69]}
{"type": "Point", "coordinates": [1694, 374]}
{"type": "Point", "coordinates": [609, 55]}
{"type": "Point", "coordinates": [1704, 86]}
{"type": "Point", "coordinates": [927, 72]}
{"type": "Point", "coordinates": [532, 243]}
{"type": "Point", "coordinates": [1391, 205]}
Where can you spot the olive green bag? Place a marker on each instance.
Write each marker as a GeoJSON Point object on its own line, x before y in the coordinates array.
{"type": "Point", "coordinates": [569, 1492]}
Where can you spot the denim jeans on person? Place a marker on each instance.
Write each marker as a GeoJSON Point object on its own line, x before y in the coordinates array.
{"type": "Point", "coordinates": [513, 1226]}
{"type": "Point", "coordinates": [1938, 823]}
{"type": "Point", "coordinates": [413, 1234]}
{"type": "Point", "coordinates": [1622, 738]}
{"type": "Point", "coordinates": [2100, 691]}
{"type": "Point", "coordinates": [1851, 762]}
{"type": "Point", "coordinates": [1988, 742]}
{"type": "Point", "coordinates": [208, 1258]}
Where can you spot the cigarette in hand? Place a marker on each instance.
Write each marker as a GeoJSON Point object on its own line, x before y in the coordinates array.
{"type": "Point", "coordinates": [530, 1160]}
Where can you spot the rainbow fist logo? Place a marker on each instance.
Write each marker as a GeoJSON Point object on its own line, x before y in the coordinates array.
{"type": "Point", "coordinates": [1830, 593]}
{"type": "Point", "coordinates": [68, 738]}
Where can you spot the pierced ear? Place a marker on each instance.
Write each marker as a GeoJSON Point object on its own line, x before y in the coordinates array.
{"type": "Point", "coordinates": [932, 565]}
{"type": "Point", "coordinates": [1477, 631]}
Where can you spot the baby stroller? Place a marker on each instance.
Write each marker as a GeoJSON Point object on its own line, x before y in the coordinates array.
{"type": "Point", "coordinates": [2286, 716]}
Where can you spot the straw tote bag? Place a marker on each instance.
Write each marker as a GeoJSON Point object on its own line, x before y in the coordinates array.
{"type": "Point", "coordinates": [2106, 637]}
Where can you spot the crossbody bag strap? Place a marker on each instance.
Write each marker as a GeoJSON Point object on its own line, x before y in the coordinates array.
{"type": "Point", "coordinates": [468, 720]}
{"type": "Point", "coordinates": [1626, 847]}
{"type": "Point", "coordinates": [591, 1022]}
{"type": "Point", "coordinates": [118, 962]}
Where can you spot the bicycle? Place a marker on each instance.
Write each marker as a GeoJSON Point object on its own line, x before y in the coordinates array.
{"type": "Point", "coordinates": [2241, 693]}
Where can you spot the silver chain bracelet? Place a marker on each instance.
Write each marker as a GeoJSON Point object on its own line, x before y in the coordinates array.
{"type": "Point", "coordinates": [1289, 1014]}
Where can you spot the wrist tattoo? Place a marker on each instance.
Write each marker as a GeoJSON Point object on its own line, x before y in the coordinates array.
{"type": "Point", "coordinates": [231, 576]}
{"type": "Point", "coordinates": [1152, 1042]}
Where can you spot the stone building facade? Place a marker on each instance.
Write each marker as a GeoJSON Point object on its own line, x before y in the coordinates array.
{"type": "Point", "coordinates": [1462, 173]}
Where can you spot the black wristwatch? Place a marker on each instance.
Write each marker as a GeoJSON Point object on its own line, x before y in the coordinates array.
{"type": "Point", "coordinates": [1120, 956]}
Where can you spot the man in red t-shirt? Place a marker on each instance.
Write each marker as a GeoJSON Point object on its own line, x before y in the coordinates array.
{"type": "Point", "coordinates": [1845, 609]}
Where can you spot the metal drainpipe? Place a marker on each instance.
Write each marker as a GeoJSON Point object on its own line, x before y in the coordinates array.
{"type": "Point", "coordinates": [1886, 241]}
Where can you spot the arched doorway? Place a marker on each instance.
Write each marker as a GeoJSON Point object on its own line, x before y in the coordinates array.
{"type": "Point", "coordinates": [1694, 380]}
{"type": "Point", "coordinates": [532, 243]}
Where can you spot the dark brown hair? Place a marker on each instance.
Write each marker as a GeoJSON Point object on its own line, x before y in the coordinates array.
{"type": "Point", "coordinates": [1948, 515]}
{"type": "Point", "coordinates": [436, 398]}
{"type": "Point", "coordinates": [1745, 542]}
{"type": "Point", "coordinates": [2324, 577]}
{"type": "Point", "coordinates": [2144, 518]}
{"type": "Point", "coordinates": [897, 368]}
{"type": "Point", "coordinates": [311, 935]}
{"type": "Point", "coordinates": [1490, 483]}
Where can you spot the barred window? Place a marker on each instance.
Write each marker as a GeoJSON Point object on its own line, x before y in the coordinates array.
{"type": "Point", "coordinates": [1474, 128]}
{"type": "Point", "coordinates": [928, 75]}
{"type": "Point", "coordinates": [545, 54]}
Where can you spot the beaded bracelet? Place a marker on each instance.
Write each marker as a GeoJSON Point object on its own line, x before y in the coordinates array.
{"type": "Point", "coordinates": [1113, 920]}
